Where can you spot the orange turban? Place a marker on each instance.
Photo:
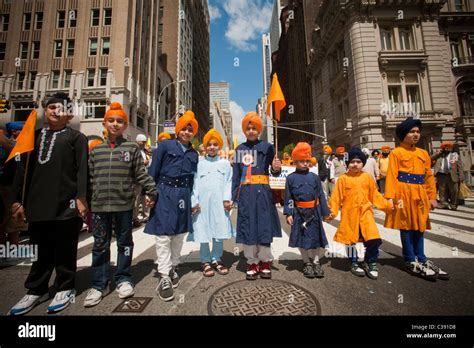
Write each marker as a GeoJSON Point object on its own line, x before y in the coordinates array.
{"type": "Point", "coordinates": [340, 150]}
{"type": "Point", "coordinates": [116, 110]}
{"type": "Point", "coordinates": [385, 148]}
{"type": "Point", "coordinates": [327, 149]}
{"type": "Point", "coordinates": [254, 119]}
{"type": "Point", "coordinates": [163, 136]}
{"type": "Point", "coordinates": [301, 152]}
{"type": "Point", "coordinates": [187, 118]}
{"type": "Point", "coordinates": [94, 143]}
{"type": "Point", "coordinates": [313, 161]}
{"type": "Point", "coordinates": [231, 153]}
{"type": "Point", "coordinates": [446, 145]}
{"type": "Point", "coordinates": [213, 134]}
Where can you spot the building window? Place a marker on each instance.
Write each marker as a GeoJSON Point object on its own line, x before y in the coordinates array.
{"type": "Point", "coordinates": [70, 48]}
{"type": "Point", "coordinates": [105, 46]}
{"type": "Point", "coordinates": [92, 47]}
{"type": "Point", "coordinates": [61, 19]}
{"type": "Point", "coordinates": [103, 77]}
{"type": "Point", "coordinates": [466, 98]}
{"type": "Point", "coordinates": [20, 78]}
{"type": "Point", "coordinates": [3, 47]}
{"type": "Point", "coordinates": [140, 121]}
{"type": "Point", "coordinates": [455, 49]}
{"type": "Point", "coordinates": [95, 17]}
{"type": "Point", "coordinates": [459, 5]}
{"type": "Point", "coordinates": [406, 39]}
{"type": "Point", "coordinates": [5, 22]}
{"type": "Point", "coordinates": [386, 38]}
{"type": "Point", "coordinates": [24, 50]}
{"type": "Point", "coordinates": [26, 21]}
{"type": "Point", "coordinates": [404, 94]}
{"type": "Point", "coordinates": [55, 80]}
{"type": "Point", "coordinates": [58, 49]}
{"type": "Point", "coordinates": [72, 18]}
{"type": "Point", "coordinates": [35, 50]}
{"type": "Point", "coordinates": [95, 109]}
{"type": "Point", "coordinates": [90, 78]}
{"type": "Point", "coordinates": [67, 78]}
{"type": "Point", "coordinates": [32, 79]}
{"type": "Point", "coordinates": [108, 16]}
{"type": "Point", "coordinates": [39, 20]}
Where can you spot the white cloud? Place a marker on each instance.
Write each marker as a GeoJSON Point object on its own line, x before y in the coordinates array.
{"type": "Point", "coordinates": [238, 114]}
{"type": "Point", "coordinates": [248, 20]}
{"type": "Point", "coordinates": [214, 12]}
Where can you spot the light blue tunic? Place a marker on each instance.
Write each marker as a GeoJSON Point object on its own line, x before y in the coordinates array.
{"type": "Point", "coordinates": [212, 186]}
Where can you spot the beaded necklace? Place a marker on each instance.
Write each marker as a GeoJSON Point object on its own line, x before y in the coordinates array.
{"type": "Point", "coordinates": [51, 145]}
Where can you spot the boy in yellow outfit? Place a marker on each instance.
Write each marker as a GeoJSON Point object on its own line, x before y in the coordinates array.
{"type": "Point", "coordinates": [410, 183]}
{"type": "Point", "coordinates": [355, 192]}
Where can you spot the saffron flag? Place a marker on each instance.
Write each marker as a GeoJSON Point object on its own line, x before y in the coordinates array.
{"type": "Point", "coordinates": [276, 96]}
{"type": "Point", "coordinates": [26, 139]}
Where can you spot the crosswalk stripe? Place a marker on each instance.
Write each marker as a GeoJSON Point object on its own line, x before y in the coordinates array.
{"type": "Point", "coordinates": [442, 226]}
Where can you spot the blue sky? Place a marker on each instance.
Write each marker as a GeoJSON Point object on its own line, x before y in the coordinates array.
{"type": "Point", "coordinates": [236, 35]}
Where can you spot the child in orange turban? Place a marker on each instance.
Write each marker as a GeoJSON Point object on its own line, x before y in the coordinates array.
{"type": "Point", "coordinates": [211, 202]}
{"type": "Point", "coordinates": [173, 167]}
{"type": "Point", "coordinates": [257, 219]}
{"type": "Point", "coordinates": [187, 119]}
{"type": "Point", "coordinates": [305, 205]}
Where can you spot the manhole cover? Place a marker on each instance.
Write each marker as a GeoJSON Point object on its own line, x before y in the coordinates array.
{"type": "Point", "coordinates": [263, 297]}
{"type": "Point", "coordinates": [133, 305]}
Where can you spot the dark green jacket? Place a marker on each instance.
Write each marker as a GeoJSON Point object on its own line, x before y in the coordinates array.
{"type": "Point", "coordinates": [113, 175]}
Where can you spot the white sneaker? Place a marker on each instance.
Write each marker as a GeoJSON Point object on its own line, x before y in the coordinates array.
{"type": "Point", "coordinates": [93, 298]}
{"type": "Point", "coordinates": [27, 303]}
{"type": "Point", "coordinates": [62, 300]}
{"type": "Point", "coordinates": [125, 290]}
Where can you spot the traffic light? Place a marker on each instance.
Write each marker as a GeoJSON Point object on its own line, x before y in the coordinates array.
{"type": "Point", "coordinates": [4, 106]}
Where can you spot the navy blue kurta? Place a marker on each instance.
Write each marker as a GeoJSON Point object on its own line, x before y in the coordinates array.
{"type": "Point", "coordinates": [172, 212]}
{"type": "Point", "coordinates": [304, 186]}
{"type": "Point", "coordinates": [257, 219]}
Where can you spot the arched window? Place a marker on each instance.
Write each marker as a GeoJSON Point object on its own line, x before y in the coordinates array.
{"type": "Point", "coordinates": [466, 98]}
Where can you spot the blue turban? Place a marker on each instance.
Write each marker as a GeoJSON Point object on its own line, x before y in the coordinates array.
{"type": "Point", "coordinates": [12, 126]}
{"type": "Point", "coordinates": [406, 126]}
{"type": "Point", "coordinates": [356, 152]}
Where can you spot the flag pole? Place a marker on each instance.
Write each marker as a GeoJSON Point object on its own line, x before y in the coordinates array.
{"type": "Point", "coordinates": [276, 137]}
{"type": "Point", "coordinates": [24, 179]}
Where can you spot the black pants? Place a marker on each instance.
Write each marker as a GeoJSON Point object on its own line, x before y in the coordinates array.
{"type": "Point", "coordinates": [57, 249]}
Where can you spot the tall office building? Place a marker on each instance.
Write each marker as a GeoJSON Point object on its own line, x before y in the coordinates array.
{"type": "Point", "coordinates": [96, 51]}
{"type": "Point", "coordinates": [220, 110]}
{"type": "Point", "coordinates": [184, 39]}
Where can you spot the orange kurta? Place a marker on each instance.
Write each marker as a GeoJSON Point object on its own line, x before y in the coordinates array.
{"type": "Point", "coordinates": [412, 201]}
{"type": "Point", "coordinates": [356, 193]}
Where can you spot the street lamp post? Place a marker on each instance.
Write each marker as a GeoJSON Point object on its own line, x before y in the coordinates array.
{"type": "Point", "coordinates": [158, 107]}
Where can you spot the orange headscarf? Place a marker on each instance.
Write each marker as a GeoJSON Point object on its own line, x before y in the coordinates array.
{"type": "Point", "coordinates": [340, 150]}
{"type": "Point", "coordinates": [385, 148]}
{"type": "Point", "coordinates": [447, 145]}
{"type": "Point", "coordinates": [327, 149]}
{"type": "Point", "coordinates": [117, 111]}
{"type": "Point", "coordinates": [213, 134]}
{"type": "Point", "coordinates": [94, 143]}
{"type": "Point", "coordinates": [163, 136]}
{"type": "Point", "coordinates": [313, 161]}
{"type": "Point", "coordinates": [253, 118]}
{"type": "Point", "coordinates": [301, 152]}
{"type": "Point", "coordinates": [187, 118]}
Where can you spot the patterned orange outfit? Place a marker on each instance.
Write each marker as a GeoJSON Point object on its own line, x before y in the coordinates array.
{"type": "Point", "coordinates": [411, 200]}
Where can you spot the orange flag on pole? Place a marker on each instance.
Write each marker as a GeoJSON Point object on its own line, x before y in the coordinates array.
{"type": "Point", "coordinates": [276, 96]}
{"type": "Point", "coordinates": [26, 139]}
